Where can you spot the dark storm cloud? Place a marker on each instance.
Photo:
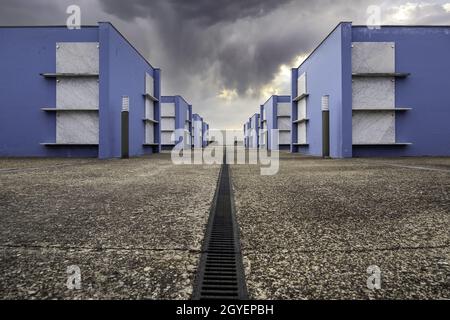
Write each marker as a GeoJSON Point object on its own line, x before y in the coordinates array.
{"type": "Point", "coordinates": [204, 12]}
{"type": "Point", "coordinates": [196, 35]}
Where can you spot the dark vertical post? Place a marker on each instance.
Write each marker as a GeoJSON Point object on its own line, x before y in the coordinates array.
{"type": "Point", "coordinates": [325, 126]}
{"type": "Point", "coordinates": [125, 127]}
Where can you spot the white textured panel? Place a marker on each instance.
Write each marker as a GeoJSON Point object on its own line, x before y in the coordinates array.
{"type": "Point", "coordinates": [77, 127]}
{"type": "Point", "coordinates": [284, 123]}
{"type": "Point", "coordinates": [373, 93]}
{"type": "Point", "coordinates": [167, 123]}
{"type": "Point", "coordinates": [301, 84]}
{"type": "Point", "coordinates": [77, 93]}
{"type": "Point", "coordinates": [263, 138]}
{"type": "Point", "coordinates": [377, 57]}
{"type": "Point", "coordinates": [149, 133]}
{"type": "Point", "coordinates": [284, 137]}
{"type": "Point", "coordinates": [325, 103]}
{"type": "Point", "coordinates": [149, 109]}
{"type": "Point", "coordinates": [284, 109]}
{"type": "Point", "coordinates": [373, 127]}
{"type": "Point", "coordinates": [166, 138]}
{"type": "Point", "coordinates": [77, 57]}
{"type": "Point", "coordinates": [264, 114]}
{"type": "Point", "coordinates": [301, 109]}
{"type": "Point", "coordinates": [168, 110]}
{"type": "Point", "coordinates": [149, 84]}
{"type": "Point", "coordinates": [301, 133]}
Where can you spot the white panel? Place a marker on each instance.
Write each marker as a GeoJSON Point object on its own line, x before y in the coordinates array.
{"type": "Point", "coordinates": [149, 133]}
{"type": "Point", "coordinates": [168, 110]}
{"type": "Point", "coordinates": [301, 109]}
{"type": "Point", "coordinates": [284, 123]}
{"type": "Point", "coordinates": [285, 138]}
{"type": "Point", "coordinates": [166, 138]}
{"type": "Point", "coordinates": [167, 123]}
{"type": "Point", "coordinates": [375, 57]}
{"type": "Point", "coordinates": [373, 93]}
{"type": "Point", "coordinates": [325, 103]}
{"type": "Point", "coordinates": [77, 127]}
{"type": "Point", "coordinates": [77, 93]}
{"type": "Point", "coordinates": [149, 109]}
{"type": "Point", "coordinates": [301, 84]}
{"type": "Point", "coordinates": [77, 57]}
{"type": "Point", "coordinates": [284, 109]}
{"type": "Point", "coordinates": [301, 133]}
{"type": "Point", "coordinates": [149, 84]}
{"type": "Point", "coordinates": [373, 127]}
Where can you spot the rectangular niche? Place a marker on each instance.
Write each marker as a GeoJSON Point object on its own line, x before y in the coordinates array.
{"type": "Point", "coordinates": [77, 127]}
{"type": "Point", "coordinates": [373, 127]}
{"type": "Point", "coordinates": [373, 57]}
{"type": "Point", "coordinates": [77, 57]}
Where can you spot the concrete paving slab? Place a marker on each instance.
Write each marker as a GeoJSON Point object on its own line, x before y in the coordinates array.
{"type": "Point", "coordinates": [117, 206]}
{"type": "Point", "coordinates": [334, 206]}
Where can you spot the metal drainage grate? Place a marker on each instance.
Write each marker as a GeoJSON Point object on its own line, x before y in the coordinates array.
{"type": "Point", "coordinates": [220, 273]}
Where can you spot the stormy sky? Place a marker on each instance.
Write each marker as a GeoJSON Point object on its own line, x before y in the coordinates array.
{"type": "Point", "coordinates": [226, 57]}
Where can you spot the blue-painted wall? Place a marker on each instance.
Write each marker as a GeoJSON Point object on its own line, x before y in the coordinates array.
{"type": "Point", "coordinates": [29, 51]}
{"type": "Point", "coordinates": [324, 73]}
{"type": "Point", "coordinates": [126, 70]}
{"type": "Point", "coordinates": [424, 53]}
{"type": "Point", "coordinates": [25, 54]}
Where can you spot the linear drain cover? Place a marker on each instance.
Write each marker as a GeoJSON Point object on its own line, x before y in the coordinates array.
{"type": "Point", "coordinates": [220, 273]}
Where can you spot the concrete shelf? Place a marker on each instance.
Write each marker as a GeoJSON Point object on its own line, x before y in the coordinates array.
{"type": "Point", "coordinates": [301, 144]}
{"type": "Point", "coordinates": [150, 120]}
{"type": "Point", "coordinates": [69, 110]}
{"type": "Point", "coordinates": [70, 75]}
{"type": "Point", "coordinates": [150, 144]}
{"type": "Point", "coordinates": [148, 95]}
{"type": "Point", "coordinates": [301, 120]}
{"type": "Point", "coordinates": [382, 74]}
{"type": "Point", "coordinates": [382, 144]}
{"type": "Point", "coordinates": [52, 144]}
{"type": "Point", "coordinates": [300, 97]}
{"type": "Point", "coordinates": [167, 130]}
{"type": "Point", "coordinates": [382, 109]}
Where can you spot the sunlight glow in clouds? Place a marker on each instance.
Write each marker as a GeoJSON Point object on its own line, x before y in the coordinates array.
{"type": "Point", "coordinates": [228, 94]}
{"type": "Point", "coordinates": [281, 83]}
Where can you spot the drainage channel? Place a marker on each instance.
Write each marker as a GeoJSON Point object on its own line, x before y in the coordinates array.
{"type": "Point", "coordinates": [220, 273]}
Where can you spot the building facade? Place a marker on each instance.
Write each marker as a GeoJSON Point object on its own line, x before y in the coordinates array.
{"type": "Point", "coordinates": [252, 132]}
{"type": "Point", "coordinates": [63, 90]}
{"type": "Point", "coordinates": [374, 92]}
{"type": "Point", "coordinates": [205, 134]}
{"type": "Point", "coordinates": [275, 115]}
{"type": "Point", "coordinates": [176, 122]}
{"type": "Point", "coordinates": [197, 131]}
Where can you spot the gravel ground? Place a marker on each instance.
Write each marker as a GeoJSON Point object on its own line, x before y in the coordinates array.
{"type": "Point", "coordinates": [312, 230]}
{"type": "Point", "coordinates": [134, 227]}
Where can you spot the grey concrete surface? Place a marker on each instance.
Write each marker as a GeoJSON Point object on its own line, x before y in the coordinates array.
{"type": "Point", "coordinates": [312, 230]}
{"type": "Point", "coordinates": [134, 227]}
